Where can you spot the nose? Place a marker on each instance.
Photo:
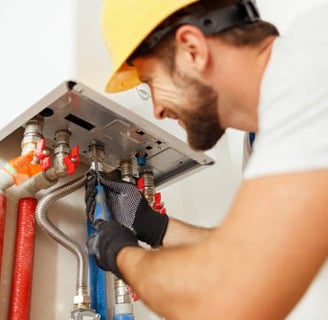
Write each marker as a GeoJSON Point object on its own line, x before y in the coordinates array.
{"type": "Point", "coordinates": [159, 111]}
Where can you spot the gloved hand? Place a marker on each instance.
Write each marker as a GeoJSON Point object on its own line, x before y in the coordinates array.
{"type": "Point", "coordinates": [110, 237]}
{"type": "Point", "coordinates": [129, 207]}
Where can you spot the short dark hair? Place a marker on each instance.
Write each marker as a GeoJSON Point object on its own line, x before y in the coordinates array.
{"type": "Point", "coordinates": [249, 34]}
{"type": "Point", "coordinates": [245, 34]}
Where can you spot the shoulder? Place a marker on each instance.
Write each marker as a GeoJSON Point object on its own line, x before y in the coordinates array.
{"type": "Point", "coordinates": [293, 109]}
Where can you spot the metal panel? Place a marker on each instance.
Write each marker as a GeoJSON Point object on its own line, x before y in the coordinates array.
{"type": "Point", "coordinates": [92, 118]}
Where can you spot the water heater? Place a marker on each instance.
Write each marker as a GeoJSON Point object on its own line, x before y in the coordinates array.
{"type": "Point", "coordinates": [53, 63]}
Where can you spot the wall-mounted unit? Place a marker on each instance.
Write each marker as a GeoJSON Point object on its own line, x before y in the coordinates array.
{"type": "Point", "coordinates": [53, 62]}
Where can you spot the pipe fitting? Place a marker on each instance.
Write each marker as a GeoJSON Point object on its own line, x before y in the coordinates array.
{"type": "Point", "coordinates": [141, 158]}
{"type": "Point", "coordinates": [127, 171]}
{"type": "Point", "coordinates": [122, 295]}
{"type": "Point", "coordinates": [61, 150]}
{"type": "Point", "coordinates": [97, 155]}
{"type": "Point", "coordinates": [35, 184]}
{"type": "Point", "coordinates": [149, 186]}
{"type": "Point", "coordinates": [81, 300]}
{"type": "Point", "coordinates": [84, 314]}
{"type": "Point", "coordinates": [32, 134]}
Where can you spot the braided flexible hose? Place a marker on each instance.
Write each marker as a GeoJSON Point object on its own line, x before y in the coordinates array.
{"type": "Point", "coordinates": [49, 228]}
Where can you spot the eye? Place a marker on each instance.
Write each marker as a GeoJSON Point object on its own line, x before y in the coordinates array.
{"type": "Point", "coordinates": [146, 81]}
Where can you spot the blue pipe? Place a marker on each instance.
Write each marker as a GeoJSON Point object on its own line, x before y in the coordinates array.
{"type": "Point", "coordinates": [97, 285]}
{"type": "Point", "coordinates": [102, 294]}
{"type": "Point", "coordinates": [102, 210]}
{"type": "Point", "coordinates": [124, 316]}
{"type": "Point", "coordinates": [93, 275]}
{"type": "Point", "coordinates": [97, 276]}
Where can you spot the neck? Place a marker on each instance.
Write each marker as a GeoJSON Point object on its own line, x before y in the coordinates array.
{"type": "Point", "coordinates": [238, 76]}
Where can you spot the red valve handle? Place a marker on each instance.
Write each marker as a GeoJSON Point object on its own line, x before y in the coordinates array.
{"type": "Point", "coordinates": [158, 204]}
{"type": "Point", "coordinates": [72, 160]}
{"type": "Point", "coordinates": [45, 160]}
{"type": "Point", "coordinates": [141, 184]}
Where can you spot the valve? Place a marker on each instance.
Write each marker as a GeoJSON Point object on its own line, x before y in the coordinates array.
{"type": "Point", "coordinates": [72, 160]}
{"type": "Point", "coordinates": [141, 185]}
{"type": "Point", "coordinates": [42, 154]}
{"type": "Point", "coordinates": [158, 203]}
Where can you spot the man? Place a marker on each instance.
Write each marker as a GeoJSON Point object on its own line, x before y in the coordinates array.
{"type": "Point", "coordinates": [212, 65]}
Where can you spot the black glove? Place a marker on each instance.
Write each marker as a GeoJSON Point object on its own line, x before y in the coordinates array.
{"type": "Point", "coordinates": [110, 237]}
{"type": "Point", "coordinates": [129, 207]}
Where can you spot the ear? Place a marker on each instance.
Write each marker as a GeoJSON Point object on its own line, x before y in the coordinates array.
{"type": "Point", "coordinates": [192, 47]}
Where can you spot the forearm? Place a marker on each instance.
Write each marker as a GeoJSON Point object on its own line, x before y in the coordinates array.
{"type": "Point", "coordinates": [181, 233]}
{"type": "Point", "coordinates": [242, 268]}
{"type": "Point", "coordinates": [179, 285]}
{"type": "Point", "coordinates": [211, 281]}
{"type": "Point", "coordinates": [238, 271]}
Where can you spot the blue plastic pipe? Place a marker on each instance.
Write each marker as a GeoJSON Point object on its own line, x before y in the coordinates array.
{"type": "Point", "coordinates": [102, 210]}
{"type": "Point", "coordinates": [124, 316]}
{"type": "Point", "coordinates": [97, 285]}
{"type": "Point", "coordinates": [97, 276]}
{"type": "Point", "coordinates": [93, 275]}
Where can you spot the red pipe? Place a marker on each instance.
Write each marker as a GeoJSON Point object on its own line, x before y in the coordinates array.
{"type": "Point", "coordinates": [2, 223]}
{"type": "Point", "coordinates": [20, 299]}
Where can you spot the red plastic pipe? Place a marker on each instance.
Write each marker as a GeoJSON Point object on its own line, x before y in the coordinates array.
{"type": "Point", "coordinates": [3, 202]}
{"type": "Point", "coordinates": [20, 299]}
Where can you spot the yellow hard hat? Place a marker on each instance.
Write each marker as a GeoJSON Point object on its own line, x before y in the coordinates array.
{"type": "Point", "coordinates": [125, 24]}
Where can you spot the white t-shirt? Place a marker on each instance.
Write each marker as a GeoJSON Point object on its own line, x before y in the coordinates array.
{"type": "Point", "coordinates": [293, 108]}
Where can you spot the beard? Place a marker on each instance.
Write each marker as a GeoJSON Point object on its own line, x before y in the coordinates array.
{"type": "Point", "coordinates": [202, 123]}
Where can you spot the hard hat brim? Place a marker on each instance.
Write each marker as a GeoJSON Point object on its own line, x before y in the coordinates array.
{"type": "Point", "coordinates": [125, 78]}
